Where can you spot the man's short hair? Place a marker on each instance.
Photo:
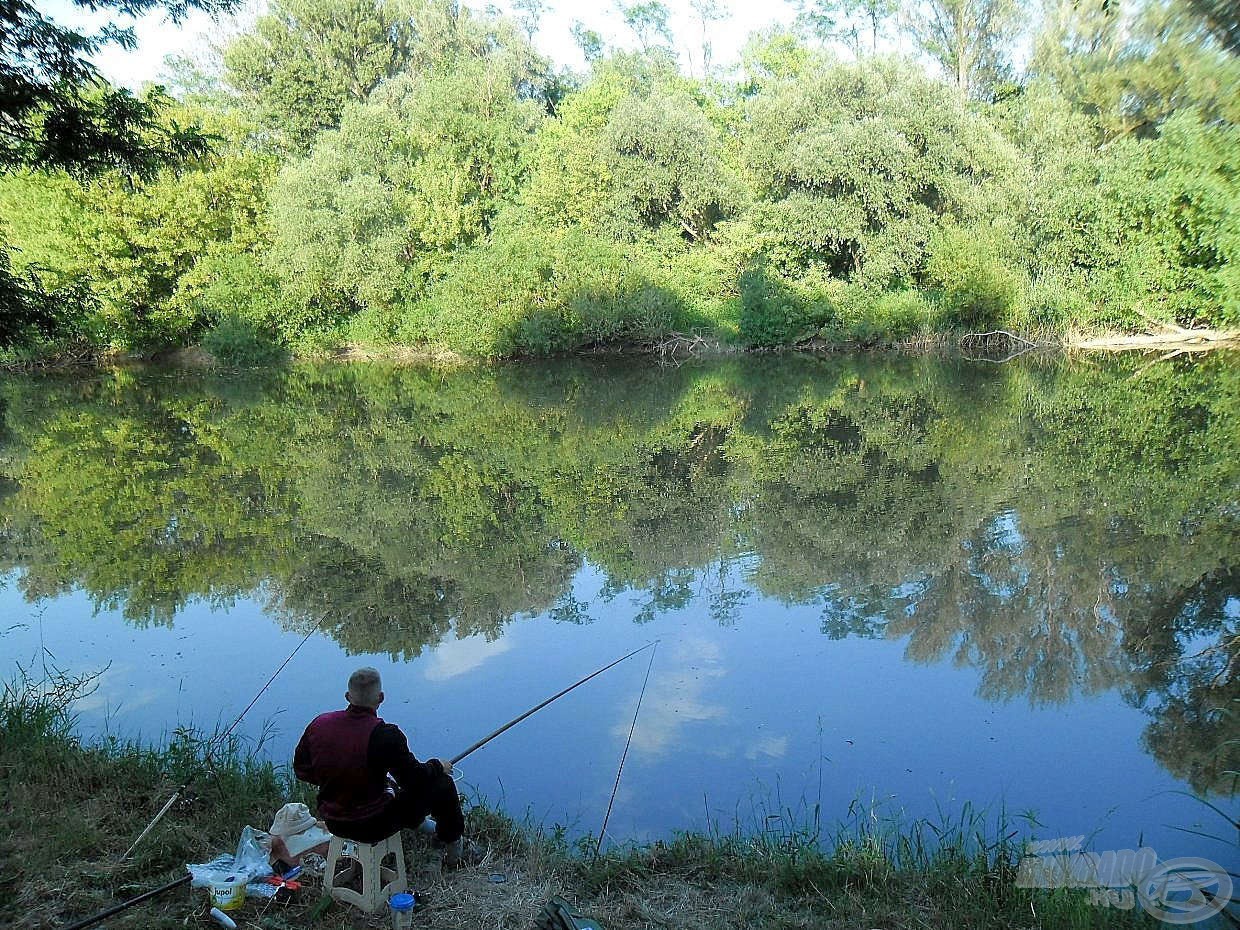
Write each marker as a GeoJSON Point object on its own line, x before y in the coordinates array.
{"type": "Point", "coordinates": [365, 687]}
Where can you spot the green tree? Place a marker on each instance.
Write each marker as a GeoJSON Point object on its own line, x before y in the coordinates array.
{"type": "Point", "coordinates": [666, 163]}
{"type": "Point", "coordinates": [855, 164]}
{"type": "Point", "coordinates": [970, 39]}
{"type": "Point", "coordinates": [588, 40]}
{"type": "Point", "coordinates": [1175, 215]}
{"type": "Point", "coordinates": [306, 59]}
{"type": "Point", "coordinates": [635, 115]}
{"type": "Point", "coordinates": [846, 20]}
{"type": "Point", "coordinates": [126, 246]}
{"type": "Point", "coordinates": [1132, 66]}
{"type": "Point", "coordinates": [648, 21]}
{"type": "Point", "coordinates": [823, 21]}
{"type": "Point", "coordinates": [381, 204]}
{"type": "Point", "coordinates": [773, 55]}
{"type": "Point", "coordinates": [708, 12]}
{"type": "Point", "coordinates": [57, 113]}
{"type": "Point", "coordinates": [530, 14]}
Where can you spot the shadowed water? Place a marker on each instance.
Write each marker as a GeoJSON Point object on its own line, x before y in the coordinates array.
{"type": "Point", "coordinates": [890, 585]}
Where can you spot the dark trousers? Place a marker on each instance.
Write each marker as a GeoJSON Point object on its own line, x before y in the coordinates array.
{"type": "Point", "coordinates": [436, 798]}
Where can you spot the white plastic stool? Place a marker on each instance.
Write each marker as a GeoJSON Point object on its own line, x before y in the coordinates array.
{"type": "Point", "coordinates": [379, 882]}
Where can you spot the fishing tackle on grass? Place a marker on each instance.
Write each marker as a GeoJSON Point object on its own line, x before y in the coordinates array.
{"type": "Point", "coordinates": [184, 880]}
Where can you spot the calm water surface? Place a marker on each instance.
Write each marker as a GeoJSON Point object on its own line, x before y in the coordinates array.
{"type": "Point", "coordinates": [889, 587]}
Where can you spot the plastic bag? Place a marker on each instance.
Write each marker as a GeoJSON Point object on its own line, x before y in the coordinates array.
{"type": "Point", "coordinates": [248, 862]}
{"type": "Point", "coordinates": [253, 851]}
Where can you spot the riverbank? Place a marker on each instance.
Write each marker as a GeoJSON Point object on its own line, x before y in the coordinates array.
{"type": "Point", "coordinates": [992, 345]}
{"type": "Point", "coordinates": [70, 808]}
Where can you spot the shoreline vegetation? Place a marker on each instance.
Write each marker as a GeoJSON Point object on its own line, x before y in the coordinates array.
{"type": "Point", "coordinates": [71, 806]}
{"type": "Point", "coordinates": [411, 178]}
{"type": "Point", "coordinates": [1168, 342]}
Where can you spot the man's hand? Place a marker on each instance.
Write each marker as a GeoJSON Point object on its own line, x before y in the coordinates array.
{"type": "Point", "coordinates": [445, 765]}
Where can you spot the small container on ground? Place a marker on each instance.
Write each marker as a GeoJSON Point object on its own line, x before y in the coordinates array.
{"type": "Point", "coordinates": [401, 906]}
{"type": "Point", "coordinates": [229, 894]}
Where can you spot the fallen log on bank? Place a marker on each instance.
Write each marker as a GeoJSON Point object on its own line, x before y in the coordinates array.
{"type": "Point", "coordinates": [1168, 337]}
{"type": "Point", "coordinates": [1189, 340]}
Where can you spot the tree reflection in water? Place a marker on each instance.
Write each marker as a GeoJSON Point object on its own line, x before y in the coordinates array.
{"type": "Point", "coordinates": [1065, 529]}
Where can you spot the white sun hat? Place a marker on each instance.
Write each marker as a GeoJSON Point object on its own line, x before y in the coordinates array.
{"type": "Point", "coordinates": [292, 819]}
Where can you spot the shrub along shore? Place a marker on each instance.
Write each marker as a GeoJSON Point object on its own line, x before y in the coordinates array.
{"type": "Point", "coordinates": [673, 347]}
{"type": "Point", "coordinates": [386, 173]}
{"type": "Point", "coordinates": [71, 806]}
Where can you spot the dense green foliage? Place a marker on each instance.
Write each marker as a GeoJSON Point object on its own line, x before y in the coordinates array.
{"type": "Point", "coordinates": [58, 114]}
{"type": "Point", "coordinates": [412, 171]}
{"type": "Point", "coordinates": [1057, 528]}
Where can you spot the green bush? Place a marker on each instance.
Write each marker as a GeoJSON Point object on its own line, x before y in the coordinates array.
{"type": "Point", "coordinates": [238, 341]}
{"type": "Point", "coordinates": [1172, 207]}
{"type": "Point", "coordinates": [224, 283]}
{"type": "Point", "coordinates": [533, 294]}
{"type": "Point", "coordinates": [875, 317]}
{"type": "Point", "coordinates": [978, 287]}
{"type": "Point", "coordinates": [775, 313]}
{"type": "Point", "coordinates": [1052, 301]}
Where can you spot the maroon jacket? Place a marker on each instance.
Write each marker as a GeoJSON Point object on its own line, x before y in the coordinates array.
{"type": "Point", "coordinates": [348, 754]}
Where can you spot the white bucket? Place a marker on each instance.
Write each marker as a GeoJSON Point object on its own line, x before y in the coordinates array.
{"type": "Point", "coordinates": [229, 894]}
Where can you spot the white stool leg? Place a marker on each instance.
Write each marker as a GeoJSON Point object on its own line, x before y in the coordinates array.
{"type": "Point", "coordinates": [377, 882]}
{"type": "Point", "coordinates": [402, 877]}
{"type": "Point", "coordinates": [329, 870]}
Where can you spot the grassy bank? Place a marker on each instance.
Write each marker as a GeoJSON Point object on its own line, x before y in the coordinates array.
{"type": "Point", "coordinates": [71, 807]}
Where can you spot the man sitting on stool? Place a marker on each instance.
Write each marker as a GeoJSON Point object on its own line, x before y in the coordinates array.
{"type": "Point", "coordinates": [349, 754]}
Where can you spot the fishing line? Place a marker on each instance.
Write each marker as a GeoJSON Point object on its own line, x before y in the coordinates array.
{"type": "Point", "coordinates": [633, 726]}
{"type": "Point", "coordinates": [185, 880]}
{"type": "Point", "coordinates": [214, 744]}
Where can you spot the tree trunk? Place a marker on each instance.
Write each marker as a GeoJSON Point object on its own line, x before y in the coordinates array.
{"type": "Point", "coordinates": [962, 56]}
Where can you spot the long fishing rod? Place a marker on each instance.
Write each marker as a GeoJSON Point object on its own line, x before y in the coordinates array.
{"type": "Point", "coordinates": [555, 697]}
{"type": "Point", "coordinates": [217, 741]}
{"type": "Point", "coordinates": [185, 879]}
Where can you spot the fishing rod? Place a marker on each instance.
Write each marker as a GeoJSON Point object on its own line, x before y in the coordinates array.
{"type": "Point", "coordinates": [555, 697]}
{"type": "Point", "coordinates": [125, 905]}
{"type": "Point", "coordinates": [218, 741]}
{"type": "Point", "coordinates": [185, 879]}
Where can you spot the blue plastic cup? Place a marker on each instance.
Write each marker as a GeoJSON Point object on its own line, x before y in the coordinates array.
{"type": "Point", "coordinates": [401, 906]}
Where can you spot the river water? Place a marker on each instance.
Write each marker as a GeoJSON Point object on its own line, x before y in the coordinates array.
{"type": "Point", "coordinates": [884, 588]}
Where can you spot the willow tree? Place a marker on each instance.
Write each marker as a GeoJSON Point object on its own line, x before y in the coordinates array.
{"type": "Point", "coordinates": [415, 173]}
{"type": "Point", "coordinates": [304, 60]}
{"type": "Point", "coordinates": [855, 164]}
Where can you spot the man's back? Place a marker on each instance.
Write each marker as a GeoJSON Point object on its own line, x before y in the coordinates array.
{"type": "Point", "coordinates": [334, 754]}
{"type": "Point", "coordinates": [352, 756]}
